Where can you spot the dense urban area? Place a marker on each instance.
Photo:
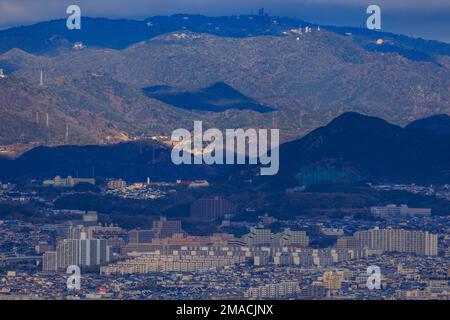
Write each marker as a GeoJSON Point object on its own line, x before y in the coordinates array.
{"type": "Point", "coordinates": [309, 257]}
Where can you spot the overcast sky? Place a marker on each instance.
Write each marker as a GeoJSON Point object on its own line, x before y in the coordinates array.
{"type": "Point", "coordinates": [421, 18]}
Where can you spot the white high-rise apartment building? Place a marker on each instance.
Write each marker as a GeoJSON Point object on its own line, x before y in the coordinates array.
{"type": "Point", "coordinates": [399, 240]}
{"type": "Point", "coordinates": [82, 253]}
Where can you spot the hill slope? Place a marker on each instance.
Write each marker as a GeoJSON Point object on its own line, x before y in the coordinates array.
{"type": "Point", "coordinates": [353, 148]}
{"type": "Point", "coordinates": [438, 124]}
{"type": "Point", "coordinates": [130, 161]}
{"type": "Point", "coordinates": [308, 82]}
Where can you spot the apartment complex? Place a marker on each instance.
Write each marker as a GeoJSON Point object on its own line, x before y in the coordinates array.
{"type": "Point", "coordinates": [200, 258]}
{"type": "Point", "coordinates": [79, 252]}
{"type": "Point", "coordinates": [264, 237]}
{"type": "Point", "coordinates": [185, 260]}
{"type": "Point", "coordinates": [116, 184]}
{"type": "Point", "coordinates": [273, 290]}
{"type": "Point", "coordinates": [67, 182]}
{"type": "Point", "coordinates": [161, 228]}
{"type": "Point", "coordinates": [393, 240]}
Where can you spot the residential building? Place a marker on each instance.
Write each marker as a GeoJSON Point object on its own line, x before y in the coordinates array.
{"type": "Point", "coordinates": [164, 228]}
{"type": "Point", "coordinates": [211, 209]}
{"type": "Point", "coordinates": [399, 240]}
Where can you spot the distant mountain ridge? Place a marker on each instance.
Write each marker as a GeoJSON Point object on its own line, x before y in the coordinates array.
{"type": "Point", "coordinates": [306, 80]}
{"type": "Point", "coordinates": [46, 37]}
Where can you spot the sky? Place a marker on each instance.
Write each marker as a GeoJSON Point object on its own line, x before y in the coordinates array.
{"type": "Point", "coordinates": [429, 19]}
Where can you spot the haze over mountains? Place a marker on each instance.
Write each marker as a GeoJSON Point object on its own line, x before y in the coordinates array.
{"type": "Point", "coordinates": [97, 91]}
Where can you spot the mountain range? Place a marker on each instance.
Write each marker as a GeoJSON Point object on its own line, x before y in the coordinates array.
{"type": "Point", "coordinates": [140, 78]}
{"type": "Point", "coordinates": [134, 161]}
{"type": "Point", "coordinates": [351, 148]}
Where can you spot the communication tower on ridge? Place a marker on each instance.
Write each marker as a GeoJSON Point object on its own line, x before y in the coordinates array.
{"type": "Point", "coordinates": [66, 140]}
{"type": "Point", "coordinates": [41, 80]}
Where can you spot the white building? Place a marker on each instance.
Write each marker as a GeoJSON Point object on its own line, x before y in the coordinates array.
{"type": "Point", "coordinates": [399, 240]}
{"type": "Point", "coordinates": [79, 46]}
{"type": "Point", "coordinates": [82, 253]}
{"type": "Point", "coordinates": [273, 290]}
{"type": "Point", "coordinates": [264, 237]}
{"type": "Point", "coordinates": [49, 262]}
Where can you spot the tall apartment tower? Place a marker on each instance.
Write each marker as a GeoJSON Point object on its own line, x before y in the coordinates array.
{"type": "Point", "coordinates": [211, 209]}
{"type": "Point", "coordinates": [49, 262]}
{"type": "Point", "coordinates": [82, 253]}
{"type": "Point", "coordinates": [140, 236]}
{"type": "Point", "coordinates": [164, 228]}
